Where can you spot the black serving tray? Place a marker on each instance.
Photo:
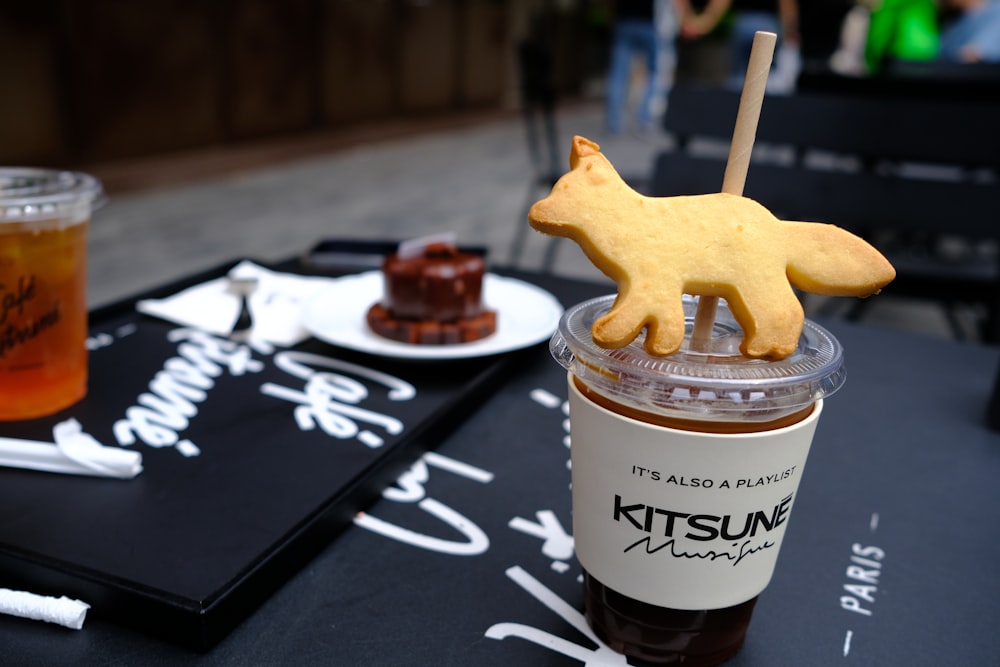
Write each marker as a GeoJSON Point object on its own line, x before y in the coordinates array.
{"type": "Point", "coordinates": [257, 487]}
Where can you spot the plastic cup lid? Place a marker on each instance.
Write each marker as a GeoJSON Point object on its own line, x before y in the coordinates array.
{"type": "Point", "coordinates": [719, 384]}
{"type": "Point", "coordinates": [28, 194]}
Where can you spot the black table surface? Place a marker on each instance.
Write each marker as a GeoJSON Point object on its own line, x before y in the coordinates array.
{"type": "Point", "coordinates": [890, 557]}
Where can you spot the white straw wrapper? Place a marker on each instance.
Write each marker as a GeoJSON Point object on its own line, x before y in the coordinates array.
{"type": "Point", "coordinates": [74, 453]}
{"type": "Point", "coordinates": [61, 611]}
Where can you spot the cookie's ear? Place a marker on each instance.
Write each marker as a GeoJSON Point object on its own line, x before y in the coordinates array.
{"type": "Point", "coordinates": [581, 148]}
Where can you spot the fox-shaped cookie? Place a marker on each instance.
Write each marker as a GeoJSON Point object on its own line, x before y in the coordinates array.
{"type": "Point", "coordinates": [721, 245]}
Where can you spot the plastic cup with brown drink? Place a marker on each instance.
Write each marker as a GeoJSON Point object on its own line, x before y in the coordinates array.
{"type": "Point", "coordinates": [44, 217]}
{"type": "Point", "coordinates": [688, 446]}
{"type": "Point", "coordinates": [685, 470]}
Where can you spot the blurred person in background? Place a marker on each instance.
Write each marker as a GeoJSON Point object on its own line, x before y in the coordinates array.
{"type": "Point", "coordinates": [901, 30]}
{"type": "Point", "coordinates": [667, 29]}
{"type": "Point", "coordinates": [971, 31]}
{"type": "Point", "coordinates": [821, 25]}
{"type": "Point", "coordinates": [748, 17]}
{"type": "Point", "coordinates": [634, 34]}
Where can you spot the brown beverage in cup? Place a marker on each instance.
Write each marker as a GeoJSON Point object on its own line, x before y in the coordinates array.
{"type": "Point", "coordinates": [44, 216]}
{"type": "Point", "coordinates": [685, 470]}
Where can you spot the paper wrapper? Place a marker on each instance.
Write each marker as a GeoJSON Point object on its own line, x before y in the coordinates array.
{"type": "Point", "coordinates": [681, 519]}
{"type": "Point", "coordinates": [276, 305]}
{"type": "Point", "coordinates": [73, 452]}
{"type": "Point", "coordinates": [62, 611]}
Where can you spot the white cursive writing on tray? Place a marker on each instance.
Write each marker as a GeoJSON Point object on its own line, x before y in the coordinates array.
{"type": "Point", "coordinates": [329, 400]}
{"type": "Point", "coordinates": [174, 392]}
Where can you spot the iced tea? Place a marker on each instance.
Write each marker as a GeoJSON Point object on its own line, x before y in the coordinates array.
{"type": "Point", "coordinates": [44, 217]}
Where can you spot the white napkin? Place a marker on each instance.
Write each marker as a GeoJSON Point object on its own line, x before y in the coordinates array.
{"type": "Point", "coordinates": [276, 305]}
{"type": "Point", "coordinates": [62, 611]}
{"type": "Point", "coordinates": [73, 453]}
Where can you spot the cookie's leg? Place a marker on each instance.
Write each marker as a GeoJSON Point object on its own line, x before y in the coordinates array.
{"type": "Point", "coordinates": [621, 324]}
{"type": "Point", "coordinates": [630, 314]}
{"type": "Point", "coordinates": [665, 331]}
{"type": "Point", "coordinates": [773, 329]}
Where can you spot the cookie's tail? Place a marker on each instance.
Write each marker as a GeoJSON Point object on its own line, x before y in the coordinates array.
{"type": "Point", "coordinates": [825, 259]}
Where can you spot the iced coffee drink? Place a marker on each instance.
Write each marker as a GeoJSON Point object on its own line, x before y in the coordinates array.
{"type": "Point", "coordinates": [685, 471]}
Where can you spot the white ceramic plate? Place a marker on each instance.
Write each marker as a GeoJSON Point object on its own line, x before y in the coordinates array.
{"type": "Point", "coordinates": [526, 315]}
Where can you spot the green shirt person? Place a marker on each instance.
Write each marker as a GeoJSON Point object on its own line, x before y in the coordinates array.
{"type": "Point", "coordinates": [902, 30]}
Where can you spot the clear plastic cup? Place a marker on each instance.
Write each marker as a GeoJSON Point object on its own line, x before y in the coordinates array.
{"type": "Point", "coordinates": [684, 472]}
{"type": "Point", "coordinates": [44, 216]}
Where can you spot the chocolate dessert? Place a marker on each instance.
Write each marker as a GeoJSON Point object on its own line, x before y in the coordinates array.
{"type": "Point", "coordinates": [433, 298]}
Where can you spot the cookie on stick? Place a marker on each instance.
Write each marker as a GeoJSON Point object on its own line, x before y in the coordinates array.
{"type": "Point", "coordinates": [714, 245]}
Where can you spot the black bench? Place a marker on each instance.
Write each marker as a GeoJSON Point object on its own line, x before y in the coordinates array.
{"type": "Point", "coordinates": [919, 178]}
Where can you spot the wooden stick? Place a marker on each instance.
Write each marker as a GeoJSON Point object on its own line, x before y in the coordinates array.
{"type": "Point", "coordinates": [738, 163]}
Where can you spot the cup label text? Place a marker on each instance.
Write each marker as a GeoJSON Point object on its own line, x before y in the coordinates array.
{"type": "Point", "coordinates": [680, 519]}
